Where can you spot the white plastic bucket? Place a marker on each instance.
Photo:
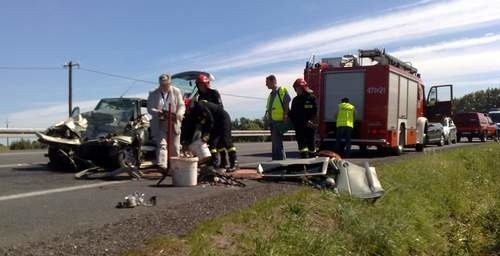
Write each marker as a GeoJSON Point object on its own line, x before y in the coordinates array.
{"type": "Point", "coordinates": [200, 149]}
{"type": "Point", "coordinates": [184, 171]}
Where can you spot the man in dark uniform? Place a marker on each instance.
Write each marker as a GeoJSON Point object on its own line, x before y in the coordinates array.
{"type": "Point", "coordinates": [206, 93]}
{"type": "Point", "coordinates": [303, 115]}
{"type": "Point", "coordinates": [215, 126]}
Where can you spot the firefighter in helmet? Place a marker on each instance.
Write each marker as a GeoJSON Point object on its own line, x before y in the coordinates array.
{"type": "Point", "coordinates": [303, 115]}
{"type": "Point", "coordinates": [215, 126]}
{"type": "Point", "coordinates": [206, 93]}
{"type": "Point", "coordinates": [345, 116]}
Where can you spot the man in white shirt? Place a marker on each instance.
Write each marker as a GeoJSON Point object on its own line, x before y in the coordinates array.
{"type": "Point", "coordinates": [163, 103]}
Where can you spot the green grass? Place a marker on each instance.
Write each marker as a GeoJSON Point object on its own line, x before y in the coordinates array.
{"type": "Point", "coordinates": [444, 203]}
{"type": "Point", "coordinates": [3, 148]}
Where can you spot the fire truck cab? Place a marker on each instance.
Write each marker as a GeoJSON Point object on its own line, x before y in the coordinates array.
{"type": "Point", "coordinates": [387, 93]}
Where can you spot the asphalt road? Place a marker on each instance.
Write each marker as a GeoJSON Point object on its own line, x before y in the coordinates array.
{"type": "Point", "coordinates": [38, 204]}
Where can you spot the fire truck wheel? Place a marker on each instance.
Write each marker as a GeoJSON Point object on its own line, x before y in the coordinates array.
{"type": "Point", "coordinates": [419, 147]}
{"type": "Point", "coordinates": [398, 150]}
{"type": "Point", "coordinates": [363, 148]}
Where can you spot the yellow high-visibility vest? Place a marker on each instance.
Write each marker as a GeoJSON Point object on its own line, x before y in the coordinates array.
{"type": "Point", "coordinates": [276, 111]}
{"type": "Point", "coordinates": [345, 115]}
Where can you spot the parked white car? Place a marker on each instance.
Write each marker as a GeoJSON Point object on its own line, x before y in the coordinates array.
{"type": "Point", "coordinates": [449, 130]}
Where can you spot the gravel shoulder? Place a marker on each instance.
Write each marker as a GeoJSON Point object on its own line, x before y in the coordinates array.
{"type": "Point", "coordinates": [132, 233]}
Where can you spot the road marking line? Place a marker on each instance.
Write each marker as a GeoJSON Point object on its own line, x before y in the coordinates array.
{"type": "Point", "coordinates": [22, 153]}
{"type": "Point", "coordinates": [14, 165]}
{"type": "Point", "coordinates": [59, 190]}
{"type": "Point", "coordinates": [22, 165]}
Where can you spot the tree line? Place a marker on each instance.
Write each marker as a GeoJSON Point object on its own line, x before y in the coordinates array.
{"type": "Point", "coordinates": [479, 101]}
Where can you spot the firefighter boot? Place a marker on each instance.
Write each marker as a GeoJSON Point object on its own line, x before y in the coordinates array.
{"type": "Point", "coordinates": [223, 159]}
{"type": "Point", "coordinates": [213, 160]}
{"type": "Point", "coordinates": [233, 162]}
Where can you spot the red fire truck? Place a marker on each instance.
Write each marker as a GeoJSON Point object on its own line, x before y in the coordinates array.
{"type": "Point", "coordinates": [388, 95]}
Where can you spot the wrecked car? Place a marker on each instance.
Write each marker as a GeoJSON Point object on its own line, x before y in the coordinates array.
{"type": "Point", "coordinates": [114, 135]}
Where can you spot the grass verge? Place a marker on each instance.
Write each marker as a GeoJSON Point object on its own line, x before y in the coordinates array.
{"type": "Point", "coordinates": [443, 203]}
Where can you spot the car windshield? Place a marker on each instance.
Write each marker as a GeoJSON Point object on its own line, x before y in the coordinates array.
{"type": "Point", "coordinates": [118, 104]}
{"type": "Point", "coordinates": [495, 117]}
{"type": "Point", "coordinates": [186, 82]}
{"type": "Point", "coordinates": [122, 108]}
{"type": "Point", "coordinates": [187, 87]}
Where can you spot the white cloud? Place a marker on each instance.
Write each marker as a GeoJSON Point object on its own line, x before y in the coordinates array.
{"type": "Point", "coordinates": [396, 26]}
{"type": "Point", "coordinates": [443, 62]}
{"type": "Point", "coordinates": [454, 61]}
{"type": "Point", "coordinates": [252, 86]}
{"type": "Point", "coordinates": [448, 45]}
{"type": "Point", "coordinates": [45, 116]}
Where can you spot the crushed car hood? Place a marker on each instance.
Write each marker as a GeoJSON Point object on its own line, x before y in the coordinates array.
{"type": "Point", "coordinates": [57, 140]}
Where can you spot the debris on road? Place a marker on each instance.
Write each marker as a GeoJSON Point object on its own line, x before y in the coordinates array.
{"type": "Point", "coordinates": [217, 177]}
{"type": "Point", "coordinates": [137, 199]}
{"type": "Point", "coordinates": [97, 172]}
{"type": "Point", "coordinates": [327, 173]}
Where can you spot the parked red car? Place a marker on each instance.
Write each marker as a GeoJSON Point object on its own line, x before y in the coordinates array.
{"type": "Point", "coordinates": [473, 124]}
{"type": "Point", "coordinates": [492, 129]}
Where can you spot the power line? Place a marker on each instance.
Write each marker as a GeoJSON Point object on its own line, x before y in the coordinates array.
{"type": "Point", "coordinates": [150, 82]}
{"type": "Point", "coordinates": [117, 76]}
{"type": "Point", "coordinates": [241, 96]}
{"type": "Point", "coordinates": [29, 68]}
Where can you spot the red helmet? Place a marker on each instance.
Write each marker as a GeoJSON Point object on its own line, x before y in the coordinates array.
{"type": "Point", "coordinates": [300, 82]}
{"type": "Point", "coordinates": [203, 80]}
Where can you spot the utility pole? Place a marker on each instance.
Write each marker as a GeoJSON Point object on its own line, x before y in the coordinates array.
{"type": "Point", "coordinates": [7, 126]}
{"type": "Point", "coordinates": [70, 66]}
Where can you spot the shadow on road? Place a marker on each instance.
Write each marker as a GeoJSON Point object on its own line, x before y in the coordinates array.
{"type": "Point", "coordinates": [36, 168]}
{"type": "Point", "coordinates": [292, 154]}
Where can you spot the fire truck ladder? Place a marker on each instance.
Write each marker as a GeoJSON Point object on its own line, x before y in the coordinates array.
{"type": "Point", "coordinates": [385, 59]}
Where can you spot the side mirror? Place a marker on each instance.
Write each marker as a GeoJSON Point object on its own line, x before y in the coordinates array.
{"type": "Point", "coordinates": [75, 112]}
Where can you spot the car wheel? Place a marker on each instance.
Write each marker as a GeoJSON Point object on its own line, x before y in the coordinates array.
{"type": "Point", "coordinates": [127, 158]}
{"type": "Point", "coordinates": [441, 141]}
{"type": "Point", "coordinates": [61, 160]}
{"type": "Point", "coordinates": [483, 137]}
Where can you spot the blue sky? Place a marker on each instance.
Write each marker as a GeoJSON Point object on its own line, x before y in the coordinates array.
{"type": "Point", "coordinates": [240, 42]}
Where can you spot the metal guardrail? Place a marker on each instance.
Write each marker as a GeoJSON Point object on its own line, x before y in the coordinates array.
{"type": "Point", "coordinates": [5, 132]}
{"type": "Point", "coordinates": [257, 133]}
{"type": "Point", "coordinates": [19, 132]}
